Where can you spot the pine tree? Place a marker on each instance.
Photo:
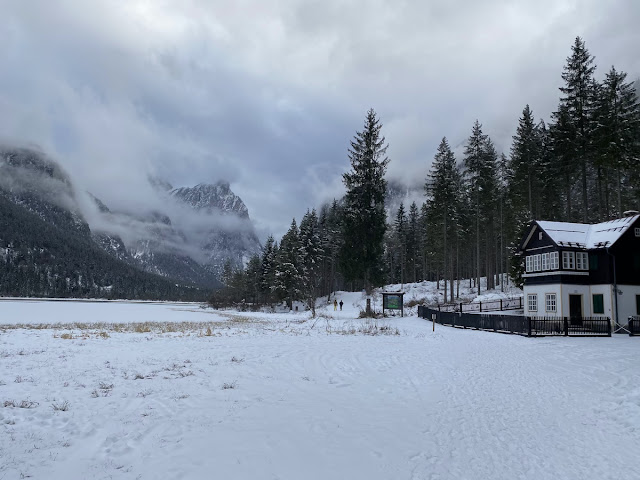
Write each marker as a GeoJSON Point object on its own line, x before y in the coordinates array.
{"type": "Point", "coordinates": [364, 222]}
{"type": "Point", "coordinates": [443, 186]}
{"type": "Point", "coordinates": [577, 113]}
{"type": "Point", "coordinates": [287, 271]}
{"type": "Point", "coordinates": [399, 243]}
{"type": "Point", "coordinates": [311, 256]}
{"type": "Point", "coordinates": [268, 269]}
{"type": "Point", "coordinates": [524, 166]}
{"type": "Point", "coordinates": [474, 161]}
{"type": "Point", "coordinates": [618, 135]}
{"type": "Point", "coordinates": [413, 242]}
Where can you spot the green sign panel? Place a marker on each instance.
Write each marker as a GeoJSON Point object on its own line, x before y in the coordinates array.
{"type": "Point", "coordinates": [392, 302]}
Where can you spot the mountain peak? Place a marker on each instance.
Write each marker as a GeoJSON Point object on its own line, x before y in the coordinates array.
{"type": "Point", "coordinates": [216, 197]}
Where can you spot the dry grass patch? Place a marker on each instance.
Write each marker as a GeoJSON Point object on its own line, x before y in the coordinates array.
{"type": "Point", "coordinates": [21, 404]}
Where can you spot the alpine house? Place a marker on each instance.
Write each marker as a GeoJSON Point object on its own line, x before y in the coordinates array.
{"type": "Point", "coordinates": [573, 269]}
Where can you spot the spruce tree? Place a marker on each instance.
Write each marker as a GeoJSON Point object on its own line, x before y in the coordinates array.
{"type": "Point", "coordinates": [399, 243]}
{"type": "Point", "coordinates": [474, 162]}
{"type": "Point", "coordinates": [364, 222]}
{"type": "Point", "coordinates": [443, 186]}
{"type": "Point", "coordinates": [524, 166]}
{"type": "Point", "coordinates": [618, 135]}
{"type": "Point", "coordinates": [287, 270]}
{"type": "Point", "coordinates": [413, 241]}
{"type": "Point", "coordinates": [311, 256]}
{"type": "Point", "coordinates": [268, 269]}
{"type": "Point", "coordinates": [577, 112]}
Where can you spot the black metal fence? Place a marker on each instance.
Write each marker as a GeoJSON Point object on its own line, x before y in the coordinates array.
{"type": "Point", "coordinates": [521, 325]}
{"type": "Point", "coordinates": [634, 325]}
{"type": "Point", "coordinates": [503, 304]}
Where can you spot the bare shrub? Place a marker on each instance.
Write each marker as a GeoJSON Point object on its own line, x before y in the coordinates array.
{"type": "Point", "coordinates": [185, 373]}
{"type": "Point", "coordinates": [60, 406]}
{"type": "Point", "coordinates": [229, 386]}
{"type": "Point", "coordinates": [144, 393]}
{"type": "Point", "coordinates": [22, 404]}
{"type": "Point", "coordinates": [237, 360]}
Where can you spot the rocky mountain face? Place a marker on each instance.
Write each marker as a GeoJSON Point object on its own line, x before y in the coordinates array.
{"type": "Point", "coordinates": [227, 234]}
{"type": "Point", "coordinates": [48, 249]}
{"type": "Point", "coordinates": [187, 239]}
{"type": "Point", "coordinates": [212, 199]}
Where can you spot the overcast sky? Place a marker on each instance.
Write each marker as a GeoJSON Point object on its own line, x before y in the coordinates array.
{"type": "Point", "coordinates": [268, 94]}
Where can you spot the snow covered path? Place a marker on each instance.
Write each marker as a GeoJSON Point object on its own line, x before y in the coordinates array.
{"type": "Point", "coordinates": [268, 397]}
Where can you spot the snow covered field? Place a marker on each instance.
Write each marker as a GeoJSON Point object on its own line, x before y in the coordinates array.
{"type": "Point", "coordinates": [149, 391]}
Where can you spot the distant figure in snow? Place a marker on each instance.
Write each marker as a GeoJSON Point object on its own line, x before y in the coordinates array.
{"type": "Point", "coordinates": [335, 304]}
{"type": "Point", "coordinates": [341, 305]}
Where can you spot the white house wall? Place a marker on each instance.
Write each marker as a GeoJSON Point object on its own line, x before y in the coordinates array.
{"type": "Point", "coordinates": [563, 291]}
{"type": "Point", "coordinates": [627, 301]}
{"type": "Point", "coordinates": [541, 291]}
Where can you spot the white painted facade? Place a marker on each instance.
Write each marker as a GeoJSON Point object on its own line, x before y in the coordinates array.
{"type": "Point", "coordinates": [627, 303]}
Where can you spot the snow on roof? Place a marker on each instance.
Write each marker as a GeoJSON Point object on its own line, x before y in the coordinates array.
{"type": "Point", "coordinates": [581, 235]}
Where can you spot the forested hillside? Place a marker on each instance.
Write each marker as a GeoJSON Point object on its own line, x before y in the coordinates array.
{"type": "Point", "coordinates": [43, 259]}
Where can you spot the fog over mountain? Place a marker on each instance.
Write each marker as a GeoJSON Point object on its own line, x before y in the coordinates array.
{"type": "Point", "coordinates": [267, 96]}
{"type": "Point", "coordinates": [187, 234]}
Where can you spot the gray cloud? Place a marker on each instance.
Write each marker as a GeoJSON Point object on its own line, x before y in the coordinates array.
{"type": "Point", "coordinates": [267, 95]}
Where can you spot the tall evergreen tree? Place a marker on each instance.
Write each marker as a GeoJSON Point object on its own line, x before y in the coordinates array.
{"type": "Point", "coordinates": [364, 222]}
{"type": "Point", "coordinates": [618, 135]}
{"type": "Point", "coordinates": [443, 187]}
{"type": "Point", "coordinates": [577, 113]}
{"type": "Point", "coordinates": [474, 162]}
{"type": "Point", "coordinates": [400, 243]}
{"type": "Point", "coordinates": [287, 269]}
{"type": "Point", "coordinates": [525, 166]}
{"type": "Point", "coordinates": [413, 241]}
{"type": "Point", "coordinates": [310, 259]}
{"type": "Point", "coordinates": [268, 269]}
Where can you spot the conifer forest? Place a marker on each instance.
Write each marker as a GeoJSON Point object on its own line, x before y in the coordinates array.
{"type": "Point", "coordinates": [581, 165]}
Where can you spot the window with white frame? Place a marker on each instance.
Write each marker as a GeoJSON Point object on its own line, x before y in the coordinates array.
{"type": "Point", "coordinates": [553, 261]}
{"type": "Point", "coordinates": [529, 261]}
{"type": "Point", "coordinates": [568, 260]}
{"type": "Point", "coordinates": [544, 261]}
{"type": "Point", "coordinates": [536, 263]}
{"type": "Point", "coordinates": [582, 261]}
{"type": "Point", "coordinates": [532, 302]}
{"type": "Point", "coordinates": [550, 302]}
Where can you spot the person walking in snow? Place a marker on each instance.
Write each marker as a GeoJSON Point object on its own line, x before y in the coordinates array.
{"type": "Point", "coordinates": [335, 304]}
{"type": "Point", "coordinates": [340, 305]}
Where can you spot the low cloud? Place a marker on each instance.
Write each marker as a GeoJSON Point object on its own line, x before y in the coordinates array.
{"type": "Point", "coordinates": [267, 97]}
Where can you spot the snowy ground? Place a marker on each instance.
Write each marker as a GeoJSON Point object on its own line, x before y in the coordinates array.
{"type": "Point", "coordinates": [128, 391]}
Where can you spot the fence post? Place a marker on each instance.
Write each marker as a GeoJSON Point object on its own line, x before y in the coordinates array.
{"type": "Point", "coordinates": [481, 306]}
{"type": "Point", "coordinates": [461, 307]}
{"type": "Point", "coordinates": [608, 327]}
{"type": "Point", "coordinates": [500, 304]}
{"type": "Point", "coordinates": [566, 327]}
{"type": "Point", "coordinates": [520, 301]}
{"type": "Point", "coordinates": [529, 326]}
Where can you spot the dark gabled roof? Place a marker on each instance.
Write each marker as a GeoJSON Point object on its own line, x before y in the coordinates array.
{"type": "Point", "coordinates": [582, 235]}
